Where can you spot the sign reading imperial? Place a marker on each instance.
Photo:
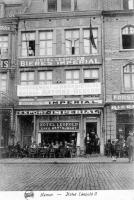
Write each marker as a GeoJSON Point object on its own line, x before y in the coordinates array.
{"type": "Point", "coordinates": [59, 112]}
{"type": "Point", "coordinates": [54, 61]}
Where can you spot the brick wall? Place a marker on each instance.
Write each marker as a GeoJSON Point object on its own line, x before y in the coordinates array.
{"type": "Point", "coordinates": [115, 56]}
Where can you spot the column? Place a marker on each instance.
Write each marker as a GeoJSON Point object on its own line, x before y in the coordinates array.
{"type": "Point", "coordinates": [34, 128]}
{"type": "Point", "coordinates": [102, 134]}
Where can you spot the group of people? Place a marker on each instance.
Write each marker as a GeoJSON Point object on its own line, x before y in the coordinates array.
{"type": "Point", "coordinates": [112, 148]}
{"type": "Point", "coordinates": [92, 143]}
{"type": "Point", "coordinates": [59, 148]}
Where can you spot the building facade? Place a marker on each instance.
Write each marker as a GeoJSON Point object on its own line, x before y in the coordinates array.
{"type": "Point", "coordinates": [119, 68]}
{"type": "Point", "coordinates": [8, 38]}
{"type": "Point", "coordinates": [74, 76]}
{"type": "Point", "coordinates": [60, 73]}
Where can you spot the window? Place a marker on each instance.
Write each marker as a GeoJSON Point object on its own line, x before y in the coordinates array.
{"type": "Point", "coordinates": [2, 10]}
{"type": "Point", "coordinates": [128, 73]}
{"type": "Point", "coordinates": [3, 81]}
{"type": "Point", "coordinates": [72, 42]}
{"type": "Point", "coordinates": [52, 5]}
{"type": "Point", "coordinates": [90, 43]}
{"type": "Point", "coordinates": [27, 78]}
{"type": "Point", "coordinates": [28, 44]}
{"type": "Point", "coordinates": [66, 5]}
{"type": "Point", "coordinates": [91, 75]}
{"type": "Point", "coordinates": [3, 46]}
{"type": "Point", "coordinates": [45, 43]}
{"type": "Point", "coordinates": [45, 77]}
{"type": "Point", "coordinates": [72, 76]}
{"type": "Point", "coordinates": [128, 37]}
{"type": "Point", "coordinates": [128, 4]}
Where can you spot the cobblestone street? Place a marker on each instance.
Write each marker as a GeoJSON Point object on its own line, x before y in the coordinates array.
{"type": "Point", "coordinates": [66, 176]}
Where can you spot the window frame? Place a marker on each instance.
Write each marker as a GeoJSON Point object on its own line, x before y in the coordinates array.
{"type": "Point", "coordinates": [66, 10]}
{"type": "Point", "coordinates": [46, 42]}
{"type": "Point", "coordinates": [5, 55]}
{"type": "Point", "coordinates": [90, 44]}
{"type": "Point", "coordinates": [73, 41]}
{"type": "Point", "coordinates": [127, 4]}
{"type": "Point", "coordinates": [91, 79]}
{"type": "Point", "coordinates": [27, 45]}
{"type": "Point", "coordinates": [3, 89]}
{"type": "Point", "coordinates": [46, 81]}
{"type": "Point", "coordinates": [72, 80]}
{"type": "Point", "coordinates": [129, 27]}
{"type": "Point", "coordinates": [131, 75]}
{"type": "Point", "coordinates": [50, 11]}
{"type": "Point", "coordinates": [27, 78]}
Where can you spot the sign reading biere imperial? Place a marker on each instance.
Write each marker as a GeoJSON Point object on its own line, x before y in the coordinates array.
{"type": "Point", "coordinates": [55, 61]}
{"type": "Point", "coordinates": [68, 126]}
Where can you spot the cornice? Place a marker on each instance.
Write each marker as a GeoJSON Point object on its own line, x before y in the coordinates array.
{"type": "Point", "coordinates": [113, 13]}
{"type": "Point", "coordinates": [58, 15]}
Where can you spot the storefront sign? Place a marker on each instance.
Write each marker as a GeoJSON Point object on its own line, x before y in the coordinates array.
{"type": "Point", "coordinates": [88, 102]}
{"type": "Point", "coordinates": [4, 28]}
{"type": "Point", "coordinates": [59, 112]}
{"type": "Point", "coordinates": [66, 126]}
{"type": "Point", "coordinates": [123, 97]}
{"type": "Point", "coordinates": [4, 63]}
{"type": "Point", "coordinates": [54, 61]}
{"type": "Point", "coordinates": [122, 107]}
{"type": "Point", "coordinates": [58, 89]}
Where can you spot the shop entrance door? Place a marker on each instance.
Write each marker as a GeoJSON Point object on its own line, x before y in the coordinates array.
{"type": "Point", "coordinates": [91, 140]}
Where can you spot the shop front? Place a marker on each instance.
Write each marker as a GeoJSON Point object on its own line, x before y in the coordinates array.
{"type": "Point", "coordinates": [124, 119]}
{"type": "Point", "coordinates": [72, 126]}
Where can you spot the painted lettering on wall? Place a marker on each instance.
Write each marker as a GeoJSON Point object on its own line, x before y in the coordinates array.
{"type": "Point", "coordinates": [4, 63]}
{"type": "Point", "coordinates": [60, 61]}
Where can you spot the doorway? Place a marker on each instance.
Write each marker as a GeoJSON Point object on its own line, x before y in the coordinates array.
{"type": "Point", "coordinates": [92, 140]}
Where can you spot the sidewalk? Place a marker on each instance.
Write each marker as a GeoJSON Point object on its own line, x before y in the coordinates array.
{"type": "Point", "coordinates": [89, 159]}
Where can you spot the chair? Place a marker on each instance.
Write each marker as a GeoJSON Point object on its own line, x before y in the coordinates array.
{"type": "Point", "coordinates": [73, 152]}
{"type": "Point", "coordinates": [52, 153]}
{"type": "Point", "coordinates": [43, 152]}
{"type": "Point", "coordinates": [118, 150]}
{"type": "Point", "coordinates": [62, 152]}
{"type": "Point", "coordinates": [32, 152]}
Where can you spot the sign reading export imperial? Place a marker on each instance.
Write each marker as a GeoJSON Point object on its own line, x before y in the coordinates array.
{"type": "Point", "coordinates": [59, 112]}
{"type": "Point", "coordinates": [55, 61]}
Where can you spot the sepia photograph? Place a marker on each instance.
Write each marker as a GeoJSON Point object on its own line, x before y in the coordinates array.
{"type": "Point", "coordinates": [66, 99]}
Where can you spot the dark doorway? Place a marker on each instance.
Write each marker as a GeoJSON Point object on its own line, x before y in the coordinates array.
{"type": "Point", "coordinates": [91, 140]}
{"type": "Point", "coordinates": [50, 137]}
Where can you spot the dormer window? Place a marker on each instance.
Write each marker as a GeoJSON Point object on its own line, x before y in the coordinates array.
{"type": "Point", "coordinates": [128, 37]}
{"type": "Point", "coordinates": [66, 5]}
{"type": "Point", "coordinates": [128, 4]}
{"type": "Point", "coordinates": [2, 10]}
{"type": "Point", "coordinates": [52, 5]}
